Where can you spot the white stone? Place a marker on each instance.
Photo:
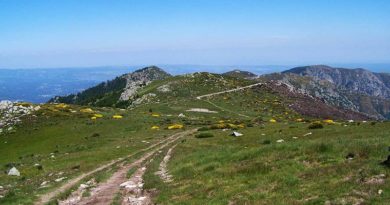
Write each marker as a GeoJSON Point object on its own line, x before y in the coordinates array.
{"type": "Point", "coordinates": [14, 172]}
{"type": "Point", "coordinates": [60, 179]}
{"type": "Point", "coordinates": [307, 134]}
{"type": "Point", "coordinates": [380, 191]}
{"type": "Point", "coordinates": [181, 115]}
{"type": "Point", "coordinates": [83, 186]}
{"type": "Point", "coordinates": [237, 134]}
{"type": "Point", "coordinates": [280, 141]}
{"type": "Point", "coordinates": [128, 185]}
{"type": "Point", "coordinates": [44, 183]}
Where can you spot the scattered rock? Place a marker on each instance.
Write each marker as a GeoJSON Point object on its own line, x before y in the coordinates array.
{"type": "Point", "coordinates": [307, 134]}
{"type": "Point", "coordinates": [280, 141]}
{"type": "Point", "coordinates": [377, 179]}
{"type": "Point", "coordinates": [60, 179]}
{"type": "Point", "coordinates": [181, 115]}
{"type": "Point", "coordinates": [13, 172]}
{"type": "Point", "coordinates": [380, 191]}
{"type": "Point", "coordinates": [164, 88]}
{"type": "Point", "coordinates": [136, 200]}
{"type": "Point", "coordinates": [236, 134]}
{"type": "Point", "coordinates": [11, 114]}
{"type": "Point", "coordinates": [44, 184]}
{"type": "Point", "coordinates": [83, 186]}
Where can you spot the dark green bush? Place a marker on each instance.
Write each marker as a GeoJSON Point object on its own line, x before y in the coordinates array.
{"type": "Point", "coordinates": [316, 125]}
{"type": "Point", "coordinates": [204, 135]}
{"type": "Point", "coordinates": [203, 129]}
{"type": "Point", "coordinates": [266, 142]}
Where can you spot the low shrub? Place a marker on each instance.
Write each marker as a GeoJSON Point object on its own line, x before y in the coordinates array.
{"type": "Point", "coordinates": [265, 142]}
{"type": "Point", "coordinates": [204, 135]}
{"type": "Point", "coordinates": [316, 125]}
{"type": "Point", "coordinates": [204, 129]}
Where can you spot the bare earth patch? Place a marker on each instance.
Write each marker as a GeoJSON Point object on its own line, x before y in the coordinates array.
{"type": "Point", "coordinates": [204, 110]}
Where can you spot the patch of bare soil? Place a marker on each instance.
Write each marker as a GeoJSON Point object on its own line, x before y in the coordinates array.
{"type": "Point", "coordinates": [204, 110]}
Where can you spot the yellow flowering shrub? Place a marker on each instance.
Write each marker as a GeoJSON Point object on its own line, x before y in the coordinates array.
{"type": "Point", "coordinates": [87, 110]}
{"type": "Point", "coordinates": [98, 115]}
{"type": "Point", "coordinates": [175, 126]}
{"type": "Point", "coordinates": [155, 127]}
{"type": "Point", "coordinates": [117, 116]}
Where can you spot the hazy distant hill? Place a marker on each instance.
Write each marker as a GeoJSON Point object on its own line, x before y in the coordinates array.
{"type": "Point", "coordinates": [240, 74]}
{"type": "Point", "coordinates": [39, 85]}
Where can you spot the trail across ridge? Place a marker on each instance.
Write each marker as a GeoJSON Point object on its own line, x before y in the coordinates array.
{"type": "Point", "coordinates": [227, 91]}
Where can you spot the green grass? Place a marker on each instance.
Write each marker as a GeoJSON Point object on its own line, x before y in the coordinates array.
{"type": "Point", "coordinates": [307, 170]}
{"type": "Point", "coordinates": [76, 142]}
{"type": "Point", "coordinates": [251, 169]}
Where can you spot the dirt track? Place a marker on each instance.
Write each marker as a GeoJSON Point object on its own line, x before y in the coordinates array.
{"type": "Point", "coordinates": [105, 192]}
{"type": "Point", "coordinates": [228, 91]}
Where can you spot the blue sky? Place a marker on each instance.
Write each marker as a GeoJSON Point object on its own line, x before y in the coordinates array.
{"type": "Point", "coordinates": [219, 32]}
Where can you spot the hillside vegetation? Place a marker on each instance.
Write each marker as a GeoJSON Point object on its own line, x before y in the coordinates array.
{"type": "Point", "coordinates": [196, 139]}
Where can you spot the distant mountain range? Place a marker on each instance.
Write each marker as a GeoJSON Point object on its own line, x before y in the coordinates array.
{"type": "Point", "coordinates": [356, 90]}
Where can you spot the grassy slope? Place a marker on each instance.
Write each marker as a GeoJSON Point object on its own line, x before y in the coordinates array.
{"type": "Point", "coordinates": [70, 137]}
{"type": "Point", "coordinates": [307, 170]}
{"type": "Point", "coordinates": [214, 170]}
{"type": "Point", "coordinates": [244, 170]}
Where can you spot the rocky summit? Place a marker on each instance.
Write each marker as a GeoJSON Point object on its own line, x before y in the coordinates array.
{"type": "Point", "coordinates": [119, 92]}
{"type": "Point", "coordinates": [141, 78]}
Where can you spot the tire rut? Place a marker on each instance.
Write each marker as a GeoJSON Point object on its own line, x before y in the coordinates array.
{"type": "Point", "coordinates": [105, 192]}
